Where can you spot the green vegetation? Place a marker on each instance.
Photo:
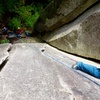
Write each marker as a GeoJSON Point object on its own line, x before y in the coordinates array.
{"type": "Point", "coordinates": [1, 11]}
{"type": "Point", "coordinates": [4, 41]}
{"type": "Point", "coordinates": [14, 23]}
{"type": "Point", "coordinates": [21, 13]}
{"type": "Point", "coordinates": [28, 15]}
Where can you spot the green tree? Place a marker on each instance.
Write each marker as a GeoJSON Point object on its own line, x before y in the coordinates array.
{"type": "Point", "coordinates": [28, 14]}
{"type": "Point", "coordinates": [14, 23]}
{"type": "Point", "coordinates": [9, 5]}
{"type": "Point", "coordinates": [1, 11]}
{"type": "Point", "coordinates": [21, 13]}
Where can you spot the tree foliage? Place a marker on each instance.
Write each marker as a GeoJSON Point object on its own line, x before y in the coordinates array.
{"type": "Point", "coordinates": [24, 12]}
{"type": "Point", "coordinates": [8, 5]}
{"type": "Point", "coordinates": [1, 11]}
{"type": "Point", "coordinates": [14, 23]}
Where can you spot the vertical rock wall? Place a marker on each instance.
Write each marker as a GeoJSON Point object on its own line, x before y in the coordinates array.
{"type": "Point", "coordinates": [81, 37]}
{"type": "Point", "coordinates": [60, 12]}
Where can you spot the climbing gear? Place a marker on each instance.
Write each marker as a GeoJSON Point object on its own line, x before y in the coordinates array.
{"type": "Point", "coordinates": [74, 66]}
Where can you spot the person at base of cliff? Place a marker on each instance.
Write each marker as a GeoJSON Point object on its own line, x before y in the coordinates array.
{"type": "Point", "coordinates": [5, 30]}
{"type": "Point", "coordinates": [19, 32]}
{"type": "Point", "coordinates": [89, 69]}
{"type": "Point", "coordinates": [11, 34]}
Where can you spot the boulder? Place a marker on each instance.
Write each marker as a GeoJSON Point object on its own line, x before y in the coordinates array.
{"type": "Point", "coordinates": [60, 12]}
{"type": "Point", "coordinates": [81, 37]}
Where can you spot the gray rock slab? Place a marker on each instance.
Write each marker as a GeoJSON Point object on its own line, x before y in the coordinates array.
{"type": "Point", "coordinates": [81, 36]}
{"type": "Point", "coordinates": [4, 52]}
{"type": "Point", "coordinates": [35, 72]}
{"type": "Point", "coordinates": [60, 12]}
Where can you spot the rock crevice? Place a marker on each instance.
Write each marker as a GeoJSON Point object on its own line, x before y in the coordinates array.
{"type": "Point", "coordinates": [4, 54]}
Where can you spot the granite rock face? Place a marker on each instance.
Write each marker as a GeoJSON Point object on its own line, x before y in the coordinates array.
{"type": "Point", "coordinates": [40, 72]}
{"type": "Point", "coordinates": [81, 37]}
{"type": "Point", "coordinates": [60, 12]}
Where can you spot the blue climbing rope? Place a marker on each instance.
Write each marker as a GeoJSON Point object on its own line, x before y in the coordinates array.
{"type": "Point", "coordinates": [62, 63]}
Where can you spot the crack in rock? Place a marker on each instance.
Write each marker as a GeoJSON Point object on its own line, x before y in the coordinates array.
{"type": "Point", "coordinates": [4, 55]}
{"type": "Point", "coordinates": [3, 63]}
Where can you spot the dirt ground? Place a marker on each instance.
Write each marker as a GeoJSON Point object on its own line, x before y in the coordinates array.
{"type": "Point", "coordinates": [26, 40]}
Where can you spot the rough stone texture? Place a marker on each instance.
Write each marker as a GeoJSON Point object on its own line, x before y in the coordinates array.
{"type": "Point", "coordinates": [35, 72]}
{"type": "Point", "coordinates": [81, 37]}
{"type": "Point", "coordinates": [60, 12]}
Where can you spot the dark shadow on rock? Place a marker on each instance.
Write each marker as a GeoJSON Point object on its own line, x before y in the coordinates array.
{"type": "Point", "coordinates": [3, 64]}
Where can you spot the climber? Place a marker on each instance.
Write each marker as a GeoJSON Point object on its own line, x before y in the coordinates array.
{"type": "Point", "coordinates": [11, 34]}
{"type": "Point", "coordinates": [19, 32]}
{"type": "Point", "coordinates": [89, 69]}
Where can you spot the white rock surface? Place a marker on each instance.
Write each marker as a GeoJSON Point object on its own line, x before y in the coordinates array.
{"type": "Point", "coordinates": [81, 37]}
{"type": "Point", "coordinates": [41, 72]}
